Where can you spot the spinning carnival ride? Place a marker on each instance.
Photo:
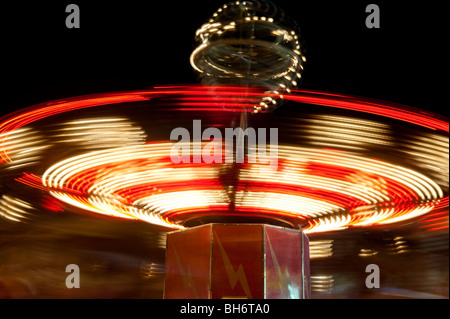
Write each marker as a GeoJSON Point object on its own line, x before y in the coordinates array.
{"type": "Point", "coordinates": [343, 162]}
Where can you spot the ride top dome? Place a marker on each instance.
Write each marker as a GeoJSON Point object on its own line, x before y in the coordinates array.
{"type": "Point", "coordinates": [250, 43]}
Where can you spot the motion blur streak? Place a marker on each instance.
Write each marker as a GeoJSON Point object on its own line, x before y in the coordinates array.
{"type": "Point", "coordinates": [14, 209]}
{"type": "Point", "coordinates": [313, 185]}
{"type": "Point", "coordinates": [326, 183]}
{"type": "Point", "coordinates": [105, 132]}
{"type": "Point", "coordinates": [24, 146]}
{"type": "Point", "coordinates": [250, 43]}
{"type": "Point", "coordinates": [44, 110]}
{"type": "Point", "coordinates": [375, 171]}
{"type": "Point", "coordinates": [27, 116]}
{"type": "Point", "coordinates": [384, 108]}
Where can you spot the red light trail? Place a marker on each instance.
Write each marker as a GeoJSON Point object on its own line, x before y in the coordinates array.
{"type": "Point", "coordinates": [323, 186]}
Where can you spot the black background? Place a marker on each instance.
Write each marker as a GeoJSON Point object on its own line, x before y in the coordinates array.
{"type": "Point", "coordinates": [131, 45]}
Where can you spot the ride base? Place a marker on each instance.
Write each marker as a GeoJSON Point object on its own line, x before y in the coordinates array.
{"type": "Point", "coordinates": [248, 261]}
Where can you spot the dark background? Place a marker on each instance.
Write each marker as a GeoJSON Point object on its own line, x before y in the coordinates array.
{"type": "Point", "coordinates": [131, 45]}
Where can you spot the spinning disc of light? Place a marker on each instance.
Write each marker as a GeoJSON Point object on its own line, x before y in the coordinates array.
{"type": "Point", "coordinates": [334, 170]}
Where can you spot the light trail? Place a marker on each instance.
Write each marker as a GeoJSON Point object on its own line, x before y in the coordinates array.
{"type": "Point", "coordinates": [326, 183]}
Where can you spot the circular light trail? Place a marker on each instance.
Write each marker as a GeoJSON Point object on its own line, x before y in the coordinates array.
{"type": "Point", "coordinates": [313, 185]}
{"type": "Point", "coordinates": [334, 169]}
{"type": "Point", "coordinates": [250, 43]}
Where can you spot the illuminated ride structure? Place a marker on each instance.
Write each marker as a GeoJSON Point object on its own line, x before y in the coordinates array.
{"type": "Point", "coordinates": [238, 228]}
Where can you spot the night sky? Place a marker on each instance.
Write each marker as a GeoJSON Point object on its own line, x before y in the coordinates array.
{"type": "Point", "coordinates": [131, 45]}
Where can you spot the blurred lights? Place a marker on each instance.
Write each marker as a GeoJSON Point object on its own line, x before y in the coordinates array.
{"type": "Point", "coordinates": [14, 209]}
{"type": "Point", "coordinates": [350, 133]}
{"type": "Point", "coordinates": [398, 245]}
{"type": "Point", "coordinates": [322, 283]}
{"type": "Point", "coordinates": [249, 43]}
{"type": "Point", "coordinates": [314, 186]}
{"type": "Point", "coordinates": [150, 269]}
{"type": "Point", "coordinates": [24, 145]}
{"type": "Point", "coordinates": [101, 132]}
{"type": "Point", "coordinates": [327, 183]}
{"type": "Point", "coordinates": [320, 248]}
{"type": "Point", "coordinates": [367, 252]}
